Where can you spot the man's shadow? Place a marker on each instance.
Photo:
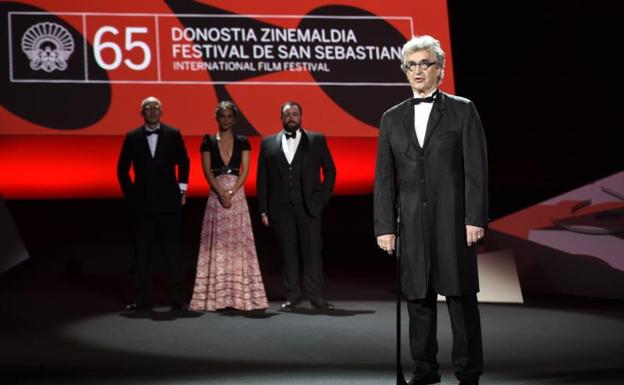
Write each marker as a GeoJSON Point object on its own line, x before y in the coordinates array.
{"type": "Point", "coordinates": [259, 314]}
{"type": "Point", "coordinates": [170, 315]}
{"type": "Point", "coordinates": [331, 313]}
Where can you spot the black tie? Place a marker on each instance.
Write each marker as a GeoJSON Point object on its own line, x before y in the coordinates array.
{"type": "Point", "coordinates": [428, 99]}
{"type": "Point", "coordinates": [148, 132]}
{"type": "Point", "coordinates": [290, 135]}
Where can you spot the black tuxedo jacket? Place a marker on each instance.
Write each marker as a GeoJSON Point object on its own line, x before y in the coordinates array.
{"type": "Point", "coordinates": [155, 187]}
{"type": "Point", "coordinates": [440, 188]}
{"type": "Point", "coordinates": [273, 173]}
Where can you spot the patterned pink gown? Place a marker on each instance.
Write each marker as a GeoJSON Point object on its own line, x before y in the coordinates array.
{"type": "Point", "coordinates": [228, 274]}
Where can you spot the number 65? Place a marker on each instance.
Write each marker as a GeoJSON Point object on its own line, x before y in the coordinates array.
{"type": "Point", "coordinates": [99, 46]}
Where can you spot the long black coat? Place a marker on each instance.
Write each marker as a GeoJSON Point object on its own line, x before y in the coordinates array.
{"type": "Point", "coordinates": [273, 173]}
{"type": "Point", "coordinates": [440, 188]}
{"type": "Point", "coordinates": [155, 187]}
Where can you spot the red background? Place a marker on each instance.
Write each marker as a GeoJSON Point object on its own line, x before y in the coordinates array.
{"type": "Point", "coordinates": [39, 162]}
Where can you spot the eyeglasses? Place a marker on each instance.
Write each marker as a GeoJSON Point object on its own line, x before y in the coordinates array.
{"type": "Point", "coordinates": [153, 107]}
{"type": "Point", "coordinates": [423, 65]}
{"type": "Point", "coordinates": [290, 114]}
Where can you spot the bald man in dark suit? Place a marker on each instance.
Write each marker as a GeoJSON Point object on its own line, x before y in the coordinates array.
{"type": "Point", "coordinates": [156, 195]}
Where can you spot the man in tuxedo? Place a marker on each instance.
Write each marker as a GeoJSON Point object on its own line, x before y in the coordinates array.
{"type": "Point", "coordinates": [291, 197]}
{"type": "Point", "coordinates": [156, 196]}
{"type": "Point", "coordinates": [431, 174]}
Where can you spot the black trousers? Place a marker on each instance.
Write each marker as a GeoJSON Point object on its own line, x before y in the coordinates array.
{"type": "Point", "coordinates": [299, 235]}
{"type": "Point", "coordinates": [467, 353]}
{"type": "Point", "coordinates": [149, 229]}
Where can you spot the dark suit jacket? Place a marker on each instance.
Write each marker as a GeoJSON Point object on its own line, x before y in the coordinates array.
{"type": "Point", "coordinates": [272, 173]}
{"type": "Point", "coordinates": [155, 187]}
{"type": "Point", "coordinates": [439, 188]}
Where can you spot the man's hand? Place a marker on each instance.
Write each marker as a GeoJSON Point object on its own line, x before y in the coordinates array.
{"type": "Point", "coordinates": [387, 242]}
{"type": "Point", "coordinates": [474, 234]}
{"type": "Point", "coordinates": [265, 219]}
{"type": "Point", "coordinates": [183, 201]}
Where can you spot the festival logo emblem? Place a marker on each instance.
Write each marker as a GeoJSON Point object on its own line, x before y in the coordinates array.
{"type": "Point", "coordinates": [48, 46]}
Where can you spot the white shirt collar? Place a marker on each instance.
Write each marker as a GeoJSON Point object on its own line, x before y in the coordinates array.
{"type": "Point", "coordinates": [296, 133]}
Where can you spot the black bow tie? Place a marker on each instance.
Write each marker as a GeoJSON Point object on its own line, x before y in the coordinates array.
{"type": "Point", "coordinates": [290, 135]}
{"type": "Point", "coordinates": [428, 99]}
{"type": "Point", "coordinates": [148, 132]}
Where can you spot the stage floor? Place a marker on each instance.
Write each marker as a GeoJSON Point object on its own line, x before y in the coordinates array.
{"type": "Point", "coordinates": [67, 330]}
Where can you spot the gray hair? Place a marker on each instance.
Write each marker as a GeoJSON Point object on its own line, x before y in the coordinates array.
{"type": "Point", "coordinates": [422, 43]}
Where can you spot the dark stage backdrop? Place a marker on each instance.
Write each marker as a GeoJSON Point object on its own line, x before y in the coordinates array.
{"type": "Point", "coordinates": [545, 77]}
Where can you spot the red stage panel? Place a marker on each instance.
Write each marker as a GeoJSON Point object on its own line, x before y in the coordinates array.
{"type": "Point", "coordinates": [35, 167]}
{"type": "Point", "coordinates": [76, 72]}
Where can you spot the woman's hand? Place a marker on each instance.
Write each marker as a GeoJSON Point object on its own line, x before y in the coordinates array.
{"type": "Point", "coordinates": [225, 198]}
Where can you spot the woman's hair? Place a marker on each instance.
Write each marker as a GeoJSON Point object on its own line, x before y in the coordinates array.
{"type": "Point", "coordinates": [226, 105]}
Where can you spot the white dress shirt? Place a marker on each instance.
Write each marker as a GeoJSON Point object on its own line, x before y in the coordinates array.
{"type": "Point", "coordinates": [289, 146]}
{"type": "Point", "coordinates": [421, 117]}
{"type": "Point", "coordinates": [152, 141]}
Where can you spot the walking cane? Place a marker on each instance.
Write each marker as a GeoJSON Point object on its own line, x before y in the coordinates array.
{"type": "Point", "coordinates": [400, 377]}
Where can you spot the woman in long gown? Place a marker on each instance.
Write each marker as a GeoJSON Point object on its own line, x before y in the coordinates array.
{"type": "Point", "coordinates": [228, 274]}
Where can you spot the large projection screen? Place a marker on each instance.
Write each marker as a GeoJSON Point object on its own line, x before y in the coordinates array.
{"type": "Point", "coordinates": [74, 73]}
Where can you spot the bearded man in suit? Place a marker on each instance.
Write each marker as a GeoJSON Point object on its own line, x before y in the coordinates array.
{"type": "Point", "coordinates": [291, 198]}
{"type": "Point", "coordinates": [431, 172]}
{"type": "Point", "coordinates": [156, 196]}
